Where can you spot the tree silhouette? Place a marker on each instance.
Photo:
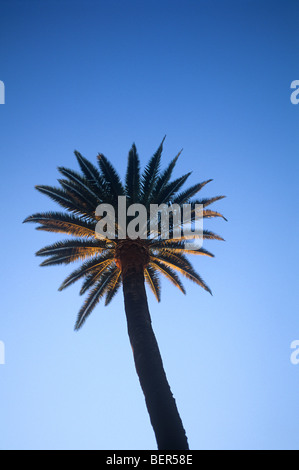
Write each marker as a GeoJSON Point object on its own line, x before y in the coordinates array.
{"type": "Point", "coordinates": [112, 262]}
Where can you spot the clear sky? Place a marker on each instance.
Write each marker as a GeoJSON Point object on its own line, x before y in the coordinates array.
{"type": "Point", "coordinates": [96, 76]}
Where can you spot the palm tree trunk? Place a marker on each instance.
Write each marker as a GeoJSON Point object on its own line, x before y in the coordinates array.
{"type": "Point", "coordinates": [160, 402]}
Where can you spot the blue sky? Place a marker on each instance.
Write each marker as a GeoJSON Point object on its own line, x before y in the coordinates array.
{"type": "Point", "coordinates": [95, 76]}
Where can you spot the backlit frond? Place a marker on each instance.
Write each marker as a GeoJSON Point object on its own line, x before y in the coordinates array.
{"type": "Point", "coordinates": [98, 264]}
{"type": "Point", "coordinates": [72, 250]}
{"type": "Point", "coordinates": [178, 246]}
{"type": "Point", "coordinates": [153, 281]}
{"type": "Point", "coordinates": [62, 247]}
{"type": "Point", "coordinates": [207, 201]}
{"type": "Point", "coordinates": [93, 298]}
{"type": "Point", "coordinates": [113, 287]}
{"type": "Point", "coordinates": [63, 223]}
{"type": "Point", "coordinates": [183, 266]}
{"type": "Point", "coordinates": [168, 273]}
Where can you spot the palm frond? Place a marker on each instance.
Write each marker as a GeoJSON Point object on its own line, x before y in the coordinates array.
{"type": "Point", "coordinates": [111, 178]}
{"type": "Point", "coordinates": [181, 264]}
{"type": "Point", "coordinates": [98, 264]}
{"type": "Point", "coordinates": [168, 273]}
{"type": "Point", "coordinates": [208, 214]}
{"type": "Point", "coordinates": [177, 246]}
{"type": "Point", "coordinates": [205, 235]}
{"type": "Point", "coordinates": [133, 176]}
{"type": "Point", "coordinates": [150, 175]}
{"type": "Point", "coordinates": [185, 196]}
{"type": "Point", "coordinates": [152, 279]}
{"type": "Point", "coordinates": [207, 201]}
{"type": "Point", "coordinates": [113, 287]}
{"type": "Point", "coordinates": [89, 170]}
{"type": "Point", "coordinates": [84, 198]}
{"type": "Point", "coordinates": [94, 297]}
{"type": "Point", "coordinates": [69, 251]}
{"type": "Point", "coordinates": [204, 213]}
{"type": "Point", "coordinates": [171, 189]}
{"type": "Point", "coordinates": [63, 223]}
{"type": "Point", "coordinates": [90, 280]}
{"type": "Point", "coordinates": [96, 191]}
{"type": "Point", "coordinates": [64, 246]}
{"type": "Point", "coordinates": [163, 179]}
{"type": "Point", "coordinates": [62, 198]}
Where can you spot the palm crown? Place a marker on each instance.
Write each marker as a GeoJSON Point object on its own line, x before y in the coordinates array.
{"type": "Point", "coordinates": [81, 193]}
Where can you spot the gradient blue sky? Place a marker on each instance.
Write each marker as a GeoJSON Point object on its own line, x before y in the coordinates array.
{"type": "Point", "coordinates": [96, 76]}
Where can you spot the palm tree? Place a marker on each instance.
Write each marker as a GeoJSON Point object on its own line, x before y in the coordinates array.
{"type": "Point", "coordinates": [115, 261]}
